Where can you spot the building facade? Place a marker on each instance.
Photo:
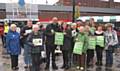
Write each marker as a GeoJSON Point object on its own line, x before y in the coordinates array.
{"type": "Point", "coordinates": [91, 3]}
{"type": "Point", "coordinates": [63, 10]}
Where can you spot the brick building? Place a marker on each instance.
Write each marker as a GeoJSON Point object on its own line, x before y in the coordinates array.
{"type": "Point", "coordinates": [91, 3]}
{"type": "Point", "coordinates": [63, 9]}
{"type": "Point", "coordinates": [84, 3]}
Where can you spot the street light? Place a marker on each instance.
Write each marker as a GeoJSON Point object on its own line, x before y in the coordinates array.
{"type": "Point", "coordinates": [73, 12]}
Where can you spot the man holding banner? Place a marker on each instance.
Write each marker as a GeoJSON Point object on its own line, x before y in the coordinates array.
{"type": "Point", "coordinates": [51, 29]}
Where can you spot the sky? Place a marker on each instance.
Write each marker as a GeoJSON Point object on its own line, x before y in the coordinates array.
{"type": "Point", "coordinates": [50, 2]}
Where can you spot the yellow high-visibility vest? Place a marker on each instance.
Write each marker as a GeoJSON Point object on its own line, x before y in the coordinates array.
{"type": "Point", "coordinates": [6, 29]}
{"type": "Point", "coordinates": [77, 12]}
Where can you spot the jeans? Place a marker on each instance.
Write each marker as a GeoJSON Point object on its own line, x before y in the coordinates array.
{"type": "Point", "coordinates": [109, 56]}
{"type": "Point", "coordinates": [27, 56]}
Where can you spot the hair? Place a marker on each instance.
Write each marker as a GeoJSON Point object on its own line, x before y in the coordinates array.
{"type": "Point", "coordinates": [109, 25]}
{"type": "Point", "coordinates": [38, 23]}
{"type": "Point", "coordinates": [100, 25]}
{"type": "Point", "coordinates": [35, 26]}
{"type": "Point", "coordinates": [13, 25]}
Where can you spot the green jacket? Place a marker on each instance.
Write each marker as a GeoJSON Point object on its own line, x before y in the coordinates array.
{"type": "Point", "coordinates": [82, 37]}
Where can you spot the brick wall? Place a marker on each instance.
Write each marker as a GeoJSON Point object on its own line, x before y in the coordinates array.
{"type": "Point", "coordinates": [92, 3]}
{"type": "Point", "coordinates": [2, 14]}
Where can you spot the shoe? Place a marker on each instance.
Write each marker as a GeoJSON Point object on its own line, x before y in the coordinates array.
{"type": "Point", "coordinates": [97, 63]}
{"type": "Point", "coordinates": [67, 67]}
{"type": "Point", "coordinates": [108, 65]}
{"type": "Point", "coordinates": [100, 64]}
{"type": "Point", "coordinates": [55, 67]}
{"type": "Point", "coordinates": [81, 68]}
{"type": "Point", "coordinates": [25, 67]}
{"type": "Point", "coordinates": [15, 68]}
{"type": "Point", "coordinates": [63, 67]}
{"type": "Point", "coordinates": [78, 67]}
{"type": "Point", "coordinates": [46, 68]}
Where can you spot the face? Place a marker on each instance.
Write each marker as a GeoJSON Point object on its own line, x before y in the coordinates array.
{"type": "Point", "coordinates": [81, 29]}
{"type": "Point", "coordinates": [74, 27]}
{"type": "Point", "coordinates": [35, 29]}
{"type": "Point", "coordinates": [87, 28]}
{"type": "Point", "coordinates": [91, 20]}
{"type": "Point", "coordinates": [100, 28]}
{"type": "Point", "coordinates": [29, 23]}
{"type": "Point", "coordinates": [109, 28]}
{"type": "Point", "coordinates": [13, 28]}
{"type": "Point", "coordinates": [64, 25]}
{"type": "Point", "coordinates": [55, 20]}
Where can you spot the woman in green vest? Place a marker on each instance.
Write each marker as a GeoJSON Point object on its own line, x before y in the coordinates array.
{"type": "Point", "coordinates": [80, 48]}
{"type": "Point", "coordinates": [91, 46]}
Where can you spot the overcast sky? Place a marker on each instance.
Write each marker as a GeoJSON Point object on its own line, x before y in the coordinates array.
{"type": "Point", "coordinates": [50, 2]}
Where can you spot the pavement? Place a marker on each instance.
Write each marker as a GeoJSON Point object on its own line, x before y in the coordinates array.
{"type": "Point", "coordinates": [5, 63]}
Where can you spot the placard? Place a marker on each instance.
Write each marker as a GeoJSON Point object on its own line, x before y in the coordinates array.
{"type": "Point", "coordinates": [59, 38]}
{"type": "Point", "coordinates": [37, 42]}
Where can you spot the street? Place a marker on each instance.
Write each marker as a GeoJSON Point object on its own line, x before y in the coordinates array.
{"type": "Point", "coordinates": [5, 64]}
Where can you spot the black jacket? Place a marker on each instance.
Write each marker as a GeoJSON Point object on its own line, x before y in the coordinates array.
{"type": "Point", "coordinates": [67, 40]}
{"type": "Point", "coordinates": [38, 48]}
{"type": "Point", "coordinates": [50, 37]}
{"type": "Point", "coordinates": [23, 31]}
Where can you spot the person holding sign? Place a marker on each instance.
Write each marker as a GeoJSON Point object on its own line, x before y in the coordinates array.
{"type": "Point", "coordinates": [99, 44]}
{"type": "Point", "coordinates": [35, 41]}
{"type": "Point", "coordinates": [25, 31]}
{"type": "Point", "coordinates": [91, 46]}
{"type": "Point", "coordinates": [50, 42]}
{"type": "Point", "coordinates": [111, 40]}
{"type": "Point", "coordinates": [66, 47]}
{"type": "Point", "coordinates": [80, 48]}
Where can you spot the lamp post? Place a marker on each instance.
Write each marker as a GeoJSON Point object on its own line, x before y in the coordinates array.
{"type": "Point", "coordinates": [46, 2]}
{"type": "Point", "coordinates": [73, 11]}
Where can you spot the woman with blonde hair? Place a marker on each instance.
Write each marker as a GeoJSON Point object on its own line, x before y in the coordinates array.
{"type": "Point", "coordinates": [13, 46]}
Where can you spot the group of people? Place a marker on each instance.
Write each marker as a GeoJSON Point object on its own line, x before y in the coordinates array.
{"type": "Point", "coordinates": [80, 41]}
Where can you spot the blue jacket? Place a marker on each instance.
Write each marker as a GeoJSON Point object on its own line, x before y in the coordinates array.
{"type": "Point", "coordinates": [13, 43]}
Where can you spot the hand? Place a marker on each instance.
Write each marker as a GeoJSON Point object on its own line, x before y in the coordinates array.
{"type": "Point", "coordinates": [64, 33]}
{"type": "Point", "coordinates": [76, 39]}
{"type": "Point", "coordinates": [52, 31]}
{"type": "Point", "coordinates": [25, 34]}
